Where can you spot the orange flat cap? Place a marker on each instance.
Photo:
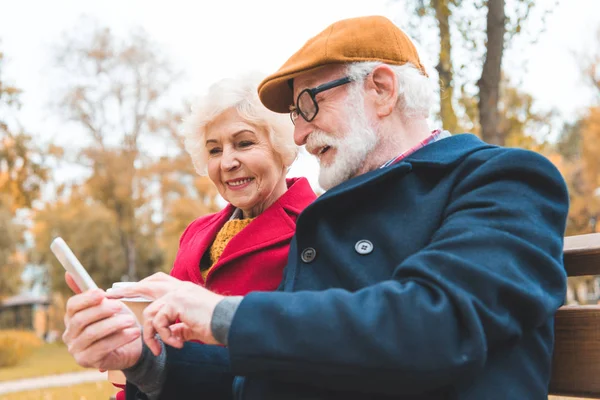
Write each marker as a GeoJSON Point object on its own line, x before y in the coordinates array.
{"type": "Point", "coordinates": [373, 38]}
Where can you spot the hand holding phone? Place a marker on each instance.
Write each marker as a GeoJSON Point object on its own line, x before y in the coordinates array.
{"type": "Point", "coordinates": [68, 260]}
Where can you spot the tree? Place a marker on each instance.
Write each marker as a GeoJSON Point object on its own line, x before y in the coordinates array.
{"type": "Point", "coordinates": [590, 64]}
{"type": "Point", "coordinates": [578, 145]}
{"type": "Point", "coordinates": [441, 12]}
{"type": "Point", "coordinates": [113, 93]}
{"type": "Point", "coordinates": [569, 141]}
{"type": "Point", "coordinates": [478, 54]}
{"type": "Point", "coordinates": [92, 231]}
{"type": "Point", "coordinates": [519, 123]}
{"type": "Point", "coordinates": [579, 152]}
{"type": "Point", "coordinates": [489, 83]}
{"type": "Point", "coordinates": [579, 148]}
{"type": "Point", "coordinates": [11, 259]}
{"type": "Point", "coordinates": [590, 133]}
{"type": "Point", "coordinates": [184, 196]}
{"type": "Point", "coordinates": [22, 174]}
{"type": "Point", "coordinates": [445, 69]}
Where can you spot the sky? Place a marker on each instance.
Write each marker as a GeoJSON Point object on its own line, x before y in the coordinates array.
{"type": "Point", "coordinates": [213, 40]}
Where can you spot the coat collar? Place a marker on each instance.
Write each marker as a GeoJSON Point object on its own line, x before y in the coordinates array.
{"type": "Point", "coordinates": [448, 151]}
{"type": "Point", "coordinates": [277, 223]}
{"type": "Point", "coordinates": [298, 196]}
{"type": "Point", "coordinates": [441, 153]}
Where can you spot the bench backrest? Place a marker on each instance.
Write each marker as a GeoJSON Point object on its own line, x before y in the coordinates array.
{"type": "Point", "coordinates": [576, 362]}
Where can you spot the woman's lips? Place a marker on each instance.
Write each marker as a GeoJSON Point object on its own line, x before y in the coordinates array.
{"type": "Point", "coordinates": [237, 184]}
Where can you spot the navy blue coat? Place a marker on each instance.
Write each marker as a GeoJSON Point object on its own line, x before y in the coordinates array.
{"type": "Point", "coordinates": [453, 299]}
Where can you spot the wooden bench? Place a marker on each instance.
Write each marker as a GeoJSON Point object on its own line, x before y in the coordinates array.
{"type": "Point", "coordinates": [576, 362]}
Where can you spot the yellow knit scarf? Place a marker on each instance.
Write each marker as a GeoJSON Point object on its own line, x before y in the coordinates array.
{"type": "Point", "coordinates": [227, 232]}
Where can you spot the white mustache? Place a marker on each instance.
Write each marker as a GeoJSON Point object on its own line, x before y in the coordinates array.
{"type": "Point", "coordinates": [318, 139]}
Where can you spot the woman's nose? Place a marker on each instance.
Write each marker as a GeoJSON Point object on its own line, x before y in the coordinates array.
{"type": "Point", "coordinates": [229, 161]}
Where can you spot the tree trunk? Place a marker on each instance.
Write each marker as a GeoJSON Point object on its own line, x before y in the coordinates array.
{"type": "Point", "coordinates": [131, 256]}
{"type": "Point", "coordinates": [127, 220]}
{"type": "Point", "coordinates": [444, 67]}
{"type": "Point", "coordinates": [128, 245]}
{"type": "Point", "coordinates": [489, 83]}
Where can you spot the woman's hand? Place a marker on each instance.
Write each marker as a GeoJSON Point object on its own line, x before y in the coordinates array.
{"type": "Point", "coordinates": [152, 287]}
{"type": "Point", "coordinates": [100, 332]}
{"type": "Point", "coordinates": [181, 311]}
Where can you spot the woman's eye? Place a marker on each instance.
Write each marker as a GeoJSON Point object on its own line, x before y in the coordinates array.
{"type": "Point", "coordinates": [246, 143]}
{"type": "Point", "coordinates": [214, 150]}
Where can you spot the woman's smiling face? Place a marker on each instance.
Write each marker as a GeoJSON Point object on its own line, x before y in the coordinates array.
{"type": "Point", "coordinates": [242, 163]}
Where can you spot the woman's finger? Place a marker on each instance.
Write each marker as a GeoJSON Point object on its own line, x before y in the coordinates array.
{"type": "Point", "coordinates": [82, 301]}
{"type": "Point", "coordinates": [150, 290]}
{"type": "Point", "coordinates": [159, 277]}
{"type": "Point", "coordinates": [79, 321]}
{"type": "Point", "coordinates": [94, 355]}
{"type": "Point", "coordinates": [101, 330]}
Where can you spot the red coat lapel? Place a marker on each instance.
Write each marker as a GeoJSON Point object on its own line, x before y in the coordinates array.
{"type": "Point", "coordinates": [203, 232]}
{"type": "Point", "coordinates": [276, 224]}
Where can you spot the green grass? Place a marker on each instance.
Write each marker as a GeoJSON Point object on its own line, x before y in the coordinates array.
{"type": "Point", "coordinates": [86, 391]}
{"type": "Point", "coordinates": [49, 359]}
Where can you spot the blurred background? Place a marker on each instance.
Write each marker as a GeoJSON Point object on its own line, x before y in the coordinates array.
{"type": "Point", "coordinates": [92, 95]}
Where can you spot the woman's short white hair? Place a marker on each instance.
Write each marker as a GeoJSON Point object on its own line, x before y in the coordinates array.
{"type": "Point", "coordinates": [416, 92]}
{"type": "Point", "coordinates": [240, 94]}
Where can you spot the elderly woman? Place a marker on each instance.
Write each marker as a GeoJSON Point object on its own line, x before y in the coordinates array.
{"type": "Point", "coordinates": [246, 150]}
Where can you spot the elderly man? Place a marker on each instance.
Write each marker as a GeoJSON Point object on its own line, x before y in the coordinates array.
{"type": "Point", "coordinates": [430, 269]}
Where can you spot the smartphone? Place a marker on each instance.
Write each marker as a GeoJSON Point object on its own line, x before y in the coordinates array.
{"type": "Point", "coordinates": [68, 260]}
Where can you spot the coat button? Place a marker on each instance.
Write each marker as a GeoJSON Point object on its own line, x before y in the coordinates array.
{"type": "Point", "coordinates": [308, 254]}
{"type": "Point", "coordinates": [363, 247]}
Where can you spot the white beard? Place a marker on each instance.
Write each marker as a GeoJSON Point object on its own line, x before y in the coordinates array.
{"type": "Point", "coordinates": [352, 148]}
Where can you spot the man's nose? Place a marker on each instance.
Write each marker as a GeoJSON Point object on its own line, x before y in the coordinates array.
{"type": "Point", "coordinates": [301, 131]}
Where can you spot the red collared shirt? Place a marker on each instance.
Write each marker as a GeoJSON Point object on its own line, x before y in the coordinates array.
{"type": "Point", "coordinates": [434, 137]}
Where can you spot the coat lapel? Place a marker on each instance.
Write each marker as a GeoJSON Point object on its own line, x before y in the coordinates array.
{"type": "Point", "coordinates": [437, 154]}
{"type": "Point", "coordinates": [276, 224]}
{"type": "Point", "coordinates": [203, 238]}
{"type": "Point", "coordinates": [448, 151]}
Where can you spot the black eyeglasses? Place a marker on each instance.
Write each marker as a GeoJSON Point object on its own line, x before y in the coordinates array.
{"type": "Point", "coordinates": [306, 102]}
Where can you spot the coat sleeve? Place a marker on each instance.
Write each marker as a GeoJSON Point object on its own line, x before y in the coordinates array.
{"type": "Point", "coordinates": [198, 370]}
{"type": "Point", "coordinates": [492, 272]}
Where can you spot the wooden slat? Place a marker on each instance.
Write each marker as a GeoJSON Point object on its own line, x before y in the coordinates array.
{"type": "Point", "coordinates": [582, 254]}
{"type": "Point", "coordinates": [576, 362]}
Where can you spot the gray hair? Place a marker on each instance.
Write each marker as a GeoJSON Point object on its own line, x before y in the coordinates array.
{"type": "Point", "coordinates": [240, 94]}
{"type": "Point", "coordinates": [415, 91]}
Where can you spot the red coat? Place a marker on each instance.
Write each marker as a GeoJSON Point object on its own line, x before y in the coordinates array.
{"type": "Point", "coordinates": [254, 259]}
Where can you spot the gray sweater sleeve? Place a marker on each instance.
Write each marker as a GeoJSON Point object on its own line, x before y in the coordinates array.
{"type": "Point", "coordinates": [149, 373]}
{"type": "Point", "coordinates": [222, 317]}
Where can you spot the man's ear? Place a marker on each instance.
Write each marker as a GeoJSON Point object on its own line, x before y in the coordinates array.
{"type": "Point", "coordinates": [382, 80]}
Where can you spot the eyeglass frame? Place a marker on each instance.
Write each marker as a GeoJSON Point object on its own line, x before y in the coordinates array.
{"type": "Point", "coordinates": [313, 93]}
